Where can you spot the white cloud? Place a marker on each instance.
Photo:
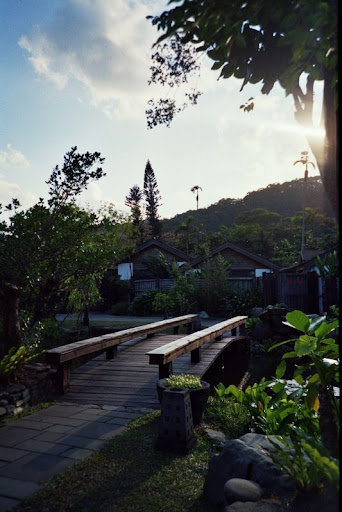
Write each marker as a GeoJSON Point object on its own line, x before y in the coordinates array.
{"type": "Point", "coordinates": [95, 199]}
{"type": "Point", "coordinates": [103, 45]}
{"type": "Point", "coordinates": [13, 158]}
{"type": "Point", "coordinates": [9, 190]}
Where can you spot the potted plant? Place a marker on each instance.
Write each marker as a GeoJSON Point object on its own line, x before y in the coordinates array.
{"type": "Point", "coordinates": [199, 391]}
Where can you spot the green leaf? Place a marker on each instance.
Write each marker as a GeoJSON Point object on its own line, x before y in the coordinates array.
{"type": "Point", "coordinates": [305, 345]}
{"type": "Point", "coordinates": [325, 328]}
{"type": "Point", "coordinates": [279, 344]}
{"type": "Point", "coordinates": [236, 392]}
{"type": "Point", "coordinates": [288, 355]}
{"type": "Point", "coordinates": [314, 379]}
{"type": "Point", "coordinates": [279, 386]}
{"type": "Point", "coordinates": [216, 65]}
{"type": "Point", "coordinates": [281, 369]}
{"type": "Point", "coordinates": [298, 319]}
{"type": "Point", "coordinates": [312, 398]}
{"type": "Point", "coordinates": [227, 71]}
{"type": "Point", "coordinates": [298, 377]}
{"type": "Point", "coordinates": [316, 323]}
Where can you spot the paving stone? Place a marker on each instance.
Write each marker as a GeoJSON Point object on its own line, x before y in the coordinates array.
{"type": "Point", "coordinates": [50, 437]}
{"type": "Point", "coordinates": [17, 488]}
{"type": "Point", "coordinates": [78, 453]}
{"type": "Point", "coordinates": [83, 442]}
{"type": "Point", "coordinates": [61, 429]}
{"type": "Point", "coordinates": [11, 436]}
{"type": "Point", "coordinates": [96, 430]}
{"type": "Point", "coordinates": [62, 410]}
{"type": "Point", "coordinates": [119, 421]}
{"type": "Point", "coordinates": [10, 454]}
{"type": "Point", "coordinates": [113, 408]}
{"type": "Point", "coordinates": [93, 411]}
{"type": "Point", "coordinates": [60, 420]}
{"type": "Point", "coordinates": [127, 414]}
{"type": "Point", "coordinates": [36, 467]}
{"type": "Point", "coordinates": [35, 425]}
{"type": "Point", "coordinates": [7, 503]}
{"type": "Point", "coordinates": [42, 447]}
{"type": "Point", "coordinates": [103, 418]}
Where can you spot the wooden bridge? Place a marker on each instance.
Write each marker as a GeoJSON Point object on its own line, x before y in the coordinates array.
{"type": "Point", "coordinates": [129, 378]}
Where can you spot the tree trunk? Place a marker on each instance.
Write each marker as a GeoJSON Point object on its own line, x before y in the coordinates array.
{"type": "Point", "coordinates": [328, 424]}
{"type": "Point", "coordinates": [11, 324]}
{"type": "Point", "coordinates": [327, 157]}
{"type": "Point", "coordinates": [85, 320]}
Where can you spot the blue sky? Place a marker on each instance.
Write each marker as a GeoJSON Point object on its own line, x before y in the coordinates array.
{"type": "Point", "coordinates": [75, 72]}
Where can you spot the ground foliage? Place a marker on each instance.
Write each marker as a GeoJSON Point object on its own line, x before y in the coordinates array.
{"type": "Point", "coordinates": [128, 475]}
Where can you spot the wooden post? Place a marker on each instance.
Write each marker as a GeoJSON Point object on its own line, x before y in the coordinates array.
{"type": "Point", "coordinates": [234, 331]}
{"type": "Point", "coordinates": [63, 378]}
{"type": "Point", "coordinates": [176, 329]}
{"type": "Point", "coordinates": [195, 355]}
{"type": "Point", "coordinates": [242, 330]}
{"type": "Point", "coordinates": [165, 370]}
{"type": "Point", "coordinates": [111, 352]}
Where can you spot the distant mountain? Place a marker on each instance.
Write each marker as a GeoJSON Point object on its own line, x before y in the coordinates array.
{"type": "Point", "coordinates": [287, 199]}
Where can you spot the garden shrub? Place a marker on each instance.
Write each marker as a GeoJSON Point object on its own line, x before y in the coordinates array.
{"type": "Point", "coordinates": [162, 303]}
{"type": "Point", "coordinates": [120, 308]}
{"type": "Point", "coordinates": [143, 304]}
{"type": "Point", "coordinates": [242, 301]}
{"type": "Point", "coordinates": [212, 285]}
{"type": "Point", "coordinates": [182, 296]}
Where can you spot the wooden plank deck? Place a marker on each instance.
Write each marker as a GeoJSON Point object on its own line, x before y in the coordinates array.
{"type": "Point", "coordinates": [129, 380]}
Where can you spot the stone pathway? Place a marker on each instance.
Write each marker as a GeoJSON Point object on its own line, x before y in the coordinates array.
{"type": "Point", "coordinates": [37, 447]}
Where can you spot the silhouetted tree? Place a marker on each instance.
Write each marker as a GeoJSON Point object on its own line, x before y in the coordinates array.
{"type": "Point", "coordinates": [265, 43]}
{"type": "Point", "coordinates": [133, 200]}
{"type": "Point", "coordinates": [152, 199]}
{"type": "Point", "coordinates": [196, 188]}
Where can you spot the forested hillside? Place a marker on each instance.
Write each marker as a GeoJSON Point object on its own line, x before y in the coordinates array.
{"type": "Point", "coordinates": [287, 199]}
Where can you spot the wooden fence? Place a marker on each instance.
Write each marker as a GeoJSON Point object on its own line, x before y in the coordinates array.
{"type": "Point", "coordinates": [143, 285]}
{"type": "Point", "coordinates": [306, 292]}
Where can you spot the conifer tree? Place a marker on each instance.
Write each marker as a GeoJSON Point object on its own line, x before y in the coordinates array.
{"type": "Point", "coordinates": [133, 200]}
{"type": "Point", "coordinates": [152, 200]}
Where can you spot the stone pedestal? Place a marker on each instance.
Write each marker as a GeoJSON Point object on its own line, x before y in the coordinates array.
{"type": "Point", "coordinates": [176, 430]}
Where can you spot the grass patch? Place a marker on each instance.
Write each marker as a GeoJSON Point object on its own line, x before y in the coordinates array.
{"type": "Point", "coordinates": [231, 418]}
{"type": "Point", "coordinates": [129, 475]}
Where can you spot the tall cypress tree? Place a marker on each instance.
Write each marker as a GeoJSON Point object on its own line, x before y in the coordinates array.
{"type": "Point", "coordinates": [152, 199]}
{"type": "Point", "coordinates": [133, 200]}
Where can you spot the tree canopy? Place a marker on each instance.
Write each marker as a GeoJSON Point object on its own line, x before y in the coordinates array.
{"type": "Point", "coordinates": [152, 200]}
{"type": "Point", "coordinates": [264, 42]}
{"type": "Point", "coordinates": [56, 247]}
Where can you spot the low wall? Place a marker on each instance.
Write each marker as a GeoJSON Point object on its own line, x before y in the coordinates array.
{"type": "Point", "coordinates": [36, 384]}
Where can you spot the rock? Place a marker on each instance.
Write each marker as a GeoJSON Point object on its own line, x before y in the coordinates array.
{"type": "Point", "coordinates": [203, 314]}
{"type": "Point", "coordinates": [271, 505]}
{"type": "Point", "coordinates": [16, 388]}
{"type": "Point", "coordinates": [217, 438]}
{"type": "Point", "coordinates": [240, 489]}
{"type": "Point", "coordinates": [247, 458]}
{"type": "Point", "coordinates": [256, 311]}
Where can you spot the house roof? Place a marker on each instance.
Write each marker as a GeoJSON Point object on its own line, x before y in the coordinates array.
{"type": "Point", "coordinates": [228, 245]}
{"type": "Point", "coordinates": [158, 244]}
{"type": "Point", "coordinates": [309, 262]}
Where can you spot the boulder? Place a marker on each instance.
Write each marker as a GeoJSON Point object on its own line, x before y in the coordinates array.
{"type": "Point", "coordinates": [247, 458]}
